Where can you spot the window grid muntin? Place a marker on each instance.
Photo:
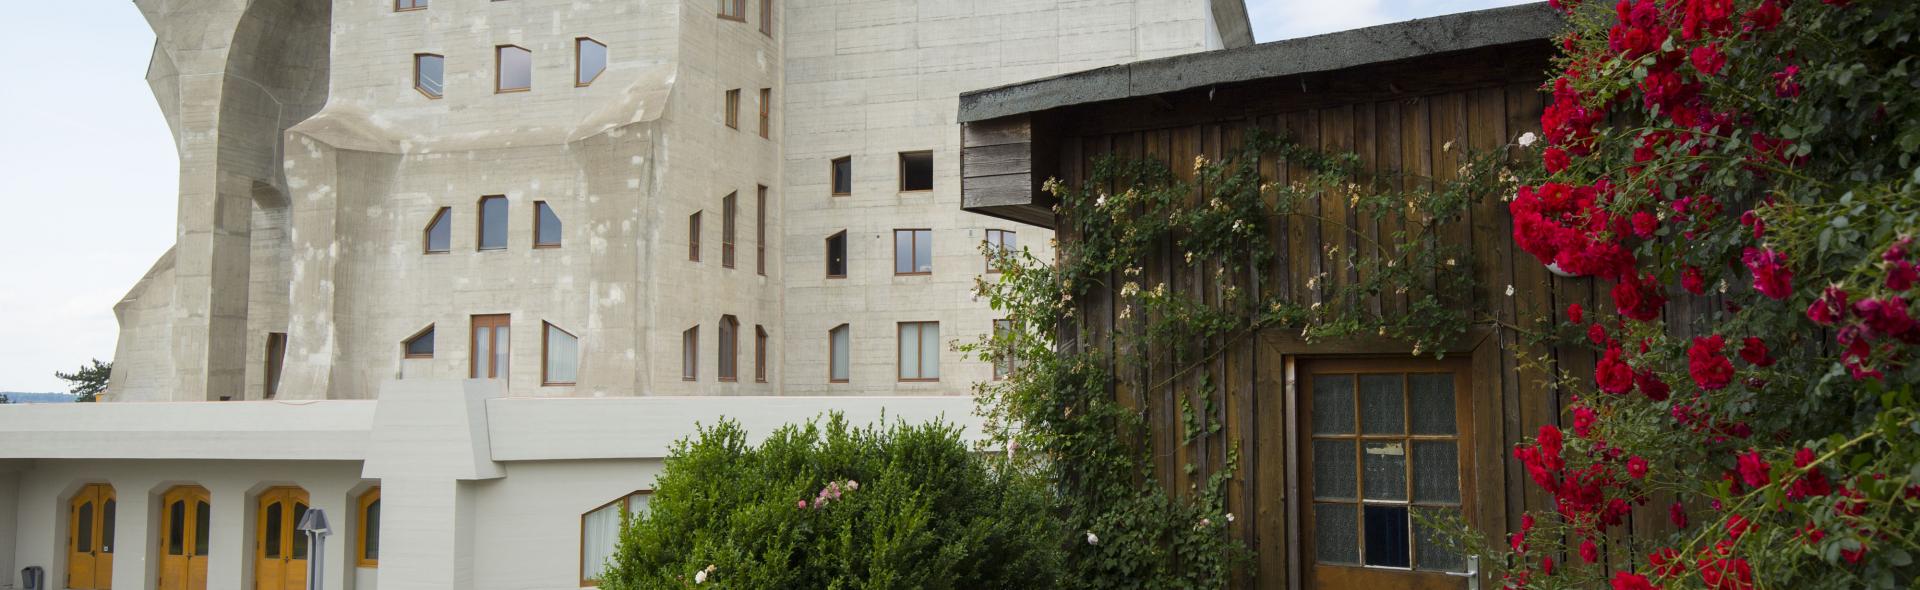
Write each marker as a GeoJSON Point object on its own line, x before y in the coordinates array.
{"type": "Point", "coordinates": [1406, 438]}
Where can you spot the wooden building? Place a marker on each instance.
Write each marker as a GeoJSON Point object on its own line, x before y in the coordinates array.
{"type": "Point", "coordinates": [1412, 431]}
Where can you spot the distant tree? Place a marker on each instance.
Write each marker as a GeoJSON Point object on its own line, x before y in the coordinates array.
{"type": "Point", "coordinates": [4, 400]}
{"type": "Point", "coordinates": [87, 382]}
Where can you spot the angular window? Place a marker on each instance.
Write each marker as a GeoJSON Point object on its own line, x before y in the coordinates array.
{"type": "Point", "coordinates": [759, 354]}
{"type": "Point", "coordinates": [916, 171]}
{"type": "Point", "coordinates": [766, 17]}
{"type": "Point", "coordinates": [589, 60]}
{"type": "Point", "coordinates": [837, 255]}
{"type": "Point", "coordinates": [546, 226]}
{"type": "Point", "coordinates": [600, 534]}
{"type": "Point", "coordinates": [420, 346]}
{"type": "Point", "coordinates": [734, 10]}
{"type": "Point", "coordinates": [493, 223]}
{"type": "Point", "coordinates": [840, 345]}
{"type": "Point", "coordinates": [843, 176]}
{"type": "Point", "coordinates": [367, 541]}
{"type": "Point", "coordinates": [733, 108]}
{"type": "Point", "coordinates": [513, 69]}
{"type": "Point", "coordinates": [729, 348]}
{"type": "Point", "coordinates": [920, 351]}
{"type": "Point", "coordinates": [276, 362]}
{"type": "Point", "coordinates": [690, 354]}
{"type": "Point", "coordinates": [727, 215]}
{"type": "Point", "coordinates": [912, 251]}
{"type": "Point", "coordinates": [559, 357]}
{"type": "Point", "coordinates": [1000, 243]}
{"type": "Point", "coordinates": [693, 237]}
{"type": "Point", "coordinates": [760, 230]}
{"type": "Point", "coordinates": [429, 73]}
{"type": "Point", "coordinates": [766, 112]}
{"type": "Point", "coordinates": [439, 233]}
{"type": "Point", "coordinates": [1003, 360]}
{"type": "Point", "coordinates": [399, 5]}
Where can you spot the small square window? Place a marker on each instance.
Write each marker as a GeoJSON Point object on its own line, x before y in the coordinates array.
{"type": "Point", "coordinates": [733, 10]}
{"type": "Point", "coordinates": [429, 74]}
{"type": "Point", "coordinates": [916, 171]}
{"type": "Point", "coordinates": [439, 233]}
{"type": "Point", "coordinates": [912, 251]}
{"type": "Point", "coordinates": [589, 60]}
{"type": "Point", "coordinates": [546, 226]}
{"type": "Point", "coordinates": [513, 69]}
{"type": "Point", "coordinates": [837, 255]}
{"type": "Point", "coordinates": [843, 176]}
{"type": "Point", "coordinates": [493, 223]}
{"type": "Point", "coordinates": [1000, 243]}
{"type": "Point", "coordinates": [404, 5]}
{"type": "Point", "coordinates": [920, 351]}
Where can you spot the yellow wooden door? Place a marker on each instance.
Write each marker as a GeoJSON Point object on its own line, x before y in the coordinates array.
{"type": "Point", "coordinates": [186, 516]}
{"type": "Point", "coordinates": [280, 551]}
{"type": "Point", "coordinates": [90, 538]}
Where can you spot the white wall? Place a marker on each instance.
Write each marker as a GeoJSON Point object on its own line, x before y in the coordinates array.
{"type": "Point", "coordinates": [528, 535]}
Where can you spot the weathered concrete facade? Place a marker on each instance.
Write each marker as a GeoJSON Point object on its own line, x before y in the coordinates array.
{"type": "Point", "coordinates": [311, 168]}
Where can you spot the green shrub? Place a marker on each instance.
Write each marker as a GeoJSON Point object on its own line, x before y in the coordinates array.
{"type": "Point", "coordinates": [914, 508]}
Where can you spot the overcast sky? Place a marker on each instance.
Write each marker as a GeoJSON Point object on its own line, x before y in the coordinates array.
{"type": "Point", "coordinates": [89, 174]}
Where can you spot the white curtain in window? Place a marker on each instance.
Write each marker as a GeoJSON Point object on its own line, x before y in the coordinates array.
{"type": "Point", "coordinates": [600, 531]}
{"type": "Point", "coordinates": [563, 356]}
{"type": "Point", "coordinates": [930, 350]}
{"type": "Point", "coordinates": [842, 346]}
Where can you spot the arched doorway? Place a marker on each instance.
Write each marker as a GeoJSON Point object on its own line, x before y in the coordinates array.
{"type": "Point", "coordinates": [186, 514]}
{"type": "Point", "coordinates": [280, 552]}
{"type": "Point", "coordinates": [90, 516]}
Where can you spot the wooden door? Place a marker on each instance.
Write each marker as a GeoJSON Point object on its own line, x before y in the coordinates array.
{"type": "Point", "coordinates": [1382, 441]}
{"type": "Point", "coordinates": [186, 516]}
{"type": "Point", "coordinates": [490, 346]}
{"type": "Point", "coordinates": [280, 551]}
{"type": "Point", "coordinates": [90, 525]}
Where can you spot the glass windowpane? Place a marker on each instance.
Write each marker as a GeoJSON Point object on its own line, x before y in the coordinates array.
{"type": "Point", "coordinates": [271, 530]}
{"type": "Point", "coordinates": [1432, 553]}
{"type": "Point", "coordinates": [1436, 471]}
{"type": "Point", "coordinates": [202, 527]}
{"type": "Point", "coordinates": [493, 223]}
{"type": "Point", "coordinates": [516, 68]}
{"type": "Point", "coordinates": [1386, 470]}
{"type": "Point", "coordinates": [482, 352]}
{"type": "Point", "coordinates": [1386, 535]}
{"type": "Point", "coordinates": [176, 527]}
{"type": "Point", "coordinates": [930, 350]}
{"type": "Point", "coordinates": [842, 346]}
{"type": "Point", "coordinates": [563, 356]}
{"type": "Point", "coordinates": [83, 530]}
{"type": "Point", "coordinates": [923, 251]}
{"type": "Point", "coordinates": [843, 176]}
{"type": "Point", "coordinates": [440, 234]}
{"type": "Point", "coordinates": [1382, 409]}
{"type": "Point", "coordinates": [902, 252]}
{"type": "Point", "coordinates": [1333, 470]}
{"type": "Point", "coordinates": [1333, 404]}
{"type": "Point", "coordinates": [299, 538]}
{"type": "Point", "coordinates": [548, 233]}
{"type": "Point", "coordinates": [430, 74]}
{"type": "Point", "coordinates": [106, 525]}
{"type": "Point", "coordinates": [421, 345]}
{"type": "Point", "coordinates": [500, 350]}
{"type": "Point", "coordinates": [371, 520]}
{"type": "Point", "coordinates": [593, 60]}
{"type": "Point", "coordinates": [1336, 537]}
{"type": "Point", "coordinates": [1432, 398]}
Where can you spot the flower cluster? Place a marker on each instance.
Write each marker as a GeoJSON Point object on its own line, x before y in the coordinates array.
{"type": "Point", "coordinates": [832, 492]}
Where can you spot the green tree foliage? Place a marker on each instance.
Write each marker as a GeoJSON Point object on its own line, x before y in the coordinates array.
{"type": "Point", "coordinates": [88, 381]}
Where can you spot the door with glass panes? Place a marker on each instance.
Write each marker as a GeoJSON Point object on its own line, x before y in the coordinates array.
{"type": "Point", "coordinates": [185, 534]}
{"type": "Point", "coordinates": [90, 516]}
{"type": "Point", "coordinates": [1384, 442]}
{"type": "Point", "coordinates": [280, 549]}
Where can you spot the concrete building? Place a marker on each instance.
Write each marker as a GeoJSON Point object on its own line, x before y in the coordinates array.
{"type": "Point", "coordinates": [457, 271]}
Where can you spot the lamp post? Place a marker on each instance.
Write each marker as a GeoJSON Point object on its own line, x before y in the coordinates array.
{"type": "Point", "coordinates": [314, 526]}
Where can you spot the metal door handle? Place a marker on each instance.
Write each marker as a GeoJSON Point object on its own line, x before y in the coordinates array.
{"type": "Point", "coordinates": [1472, 574]}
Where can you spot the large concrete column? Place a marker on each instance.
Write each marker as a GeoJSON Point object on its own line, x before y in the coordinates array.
{"type": "Point", "coordinates": [429, 443]}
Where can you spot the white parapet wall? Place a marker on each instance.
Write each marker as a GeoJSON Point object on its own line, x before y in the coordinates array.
{"type": "Point", "coordinates": [477, 490]}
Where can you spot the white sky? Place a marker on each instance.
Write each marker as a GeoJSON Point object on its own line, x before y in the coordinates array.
{"type": "Point", "coordinates": [89, 175]}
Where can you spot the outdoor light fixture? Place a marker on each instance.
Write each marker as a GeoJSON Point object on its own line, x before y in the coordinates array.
{"type": "Point", "coordinates": [314, 526]}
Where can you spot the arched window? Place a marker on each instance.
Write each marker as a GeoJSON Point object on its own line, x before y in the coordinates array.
{"type": "Point", "coordinates": [729, 348]}
{"type": "Point", "coordinates": [366, 551]}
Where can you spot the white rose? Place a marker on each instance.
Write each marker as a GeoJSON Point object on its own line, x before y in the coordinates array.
{"type": "Point", "coordinates": [1527, 139]}
{"type": "Point", "coordinates": [1092, 539]}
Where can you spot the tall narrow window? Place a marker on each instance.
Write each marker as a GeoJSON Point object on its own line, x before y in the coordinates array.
{"type": "Point", "coordinates": [1003, 360]}
{"type": "Point", "coordinates": [766, 17]}
{"type": "Point", "coordinates": [760, 231]}
{"type": "Point", "coordinates": [513, 69]}
{"type": "Point", "coordinates": [839, 345]}
{"type": "Point", "coordinates": [733, 108]}
{"type": "Point", "coordinates": [546, 226]}
{"type": "Point", "coordinates": [760, 354]}
{"type": "Point", "coordinates": [559, 357]}
{"type": "Point", "coordinates": [843, 176]}
{"type": "Point", "coordinates": [766, 112]}
{"type": "Point", "coordinates": [589, 60]}
{"type": "Point", "coordinates": [729, 348]}
{"type": "Point", "coordinates": [734, 10]}
{"type": "Point", "coordinates": [837, 255]}
{"type": "Point", "coordinates": [920, 351]}
{"type": "Point", "coordinates": [916, 171]}
{"type": "Point", "coordinates": [493, 223]}
{"type": "Point", "coordinates": [409, 4]}
{"type": "Point", "coordinates": [600, 534]}
{"type": "Point", "coordinates": [1000, 243]}
{"type": "Point", "coordinates": [491, 346]}
{"type": "Point", "coordinates": [439, 233]}
{"type": "Point", "coordinates": [429, 73]}
{"type": "Point", "coordinates": [912, 251]}
{"type": "Point", "coordinates": [693, 237]}
{"type": "Point", "coordinates": [276, 361]}
{"type": "Point", "coordinates": [367, 541]}
{"type": "Point", "coordinates": [690, 354]}
{"type": "Point", "coordinates": [727, 215]}
{"type": "Point", "coordinates": [420, 345]}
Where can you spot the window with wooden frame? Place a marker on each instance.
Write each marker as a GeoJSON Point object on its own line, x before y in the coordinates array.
{"type": "Point", "coordinates": [916, 171]}
{"type": "Point", "coordinates": [693, 237]}
{"type": "Point", "coordinates": [276, 363]}
{"type": "Point", "coordinates": [760, 231]}
{"type": "Point", "coordinates": [919, 351]}
{"type": "Point", "coordinates": [600, 533]}
{"type": "Point", "coordinates": [493, 223]}
{"type": "Point", "coordinates": [1000, 242]}
{"type": "Point", "coordinates": [766, 113]}
{"type": "Point", "coordinates": [1383, 439]}
{"type": "Point", "coordinates": [766, 17]}
{"type": "Point", "coordinates": [839, 351]}
{"type": "Point", "coordinates": [406, 5]}
{"type": "Point", "coordinates": [419, 345]}
{"type": "Point", "coordinates": [759, 354]}
{"type": "Point", "coordinates": [559, 356]}
{"type": "Point", "coordinates": [690, 354]}
{"type": "Point", "coordinates": [491, 346]}
{"type": "Point", "coordinates": [733, 109]}
{"type": "Point", "coordinates": [1003, 360]}
{"type": "Point", "coordinates": [429, 74]}
{"type": "Point", "coordinates": [512, 69]}
{"type": "Point", "coordinates": [366, 546]}
{"type": "Point", "coordinates": [837, 255]}
{"type": "Point", "coordinates": [589, 61]}
{"type": "Point", "coordinates": [842, 176]}
{"type": "Point", "coordinates": [734, 10]}
{"type": "Point", "coordinates": [438, 237]}
{"type": "Point", "coordinates": [546, 226]}
{"type": "Point", "coordinates": [912, 251]}
{"type": "Point", "coordinates": [727, 215]}
{"type": "Point", "coordinates": [729, 349]}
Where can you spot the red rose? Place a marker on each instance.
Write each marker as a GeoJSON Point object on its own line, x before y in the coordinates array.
{"type": "Point", "coordinates": [1737, 525]}
{"type": "Point", "coordinates": [1764, 17]}
{"type": "Point", "coordinates": [1829, 308]}
{"type": "Point", "coordinates": [1727, 574]}
{"type": "Point", "coordinates": [1710, 370]}
{"type": "Point", "coordinates": [1901, 275]}
{"type": "Point", "coordinates": [1754, 469]}
{"type": "Point", "coordinates": [1786, 83]}
{"type": "Point", "coordinates": [1692, 281]}
{"type": "Point", "coordinates": [1677, 513]}
{"type": "Point", "coordinates": [1597, 334]}
{"type": "Point", "coordinates": [1636, 467]}
{"type": "Point", "coordinates": [1575, 313]}
{"type": "Point", "coordinates": [1556, 159]}
{"type": "Point", "coordinates": [1651, 386]}
{"type": "Point", "coordinates": [1638, 297]}
{"type": "Point", "coordinates": [1708, 59]}
{"type": "Point", "coordinates": [1583, 419]}
{"type": "Point", "coordinates": [1589, 552]}
{"type": "Point", "coordinates": [1771, 277]}
{"type": "Point", "coordinates": [1666, 561]}
{"type": "Point", "coordinates": [1612, 374]}
{"type": "Point", "coordinates": [1754, 351]}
